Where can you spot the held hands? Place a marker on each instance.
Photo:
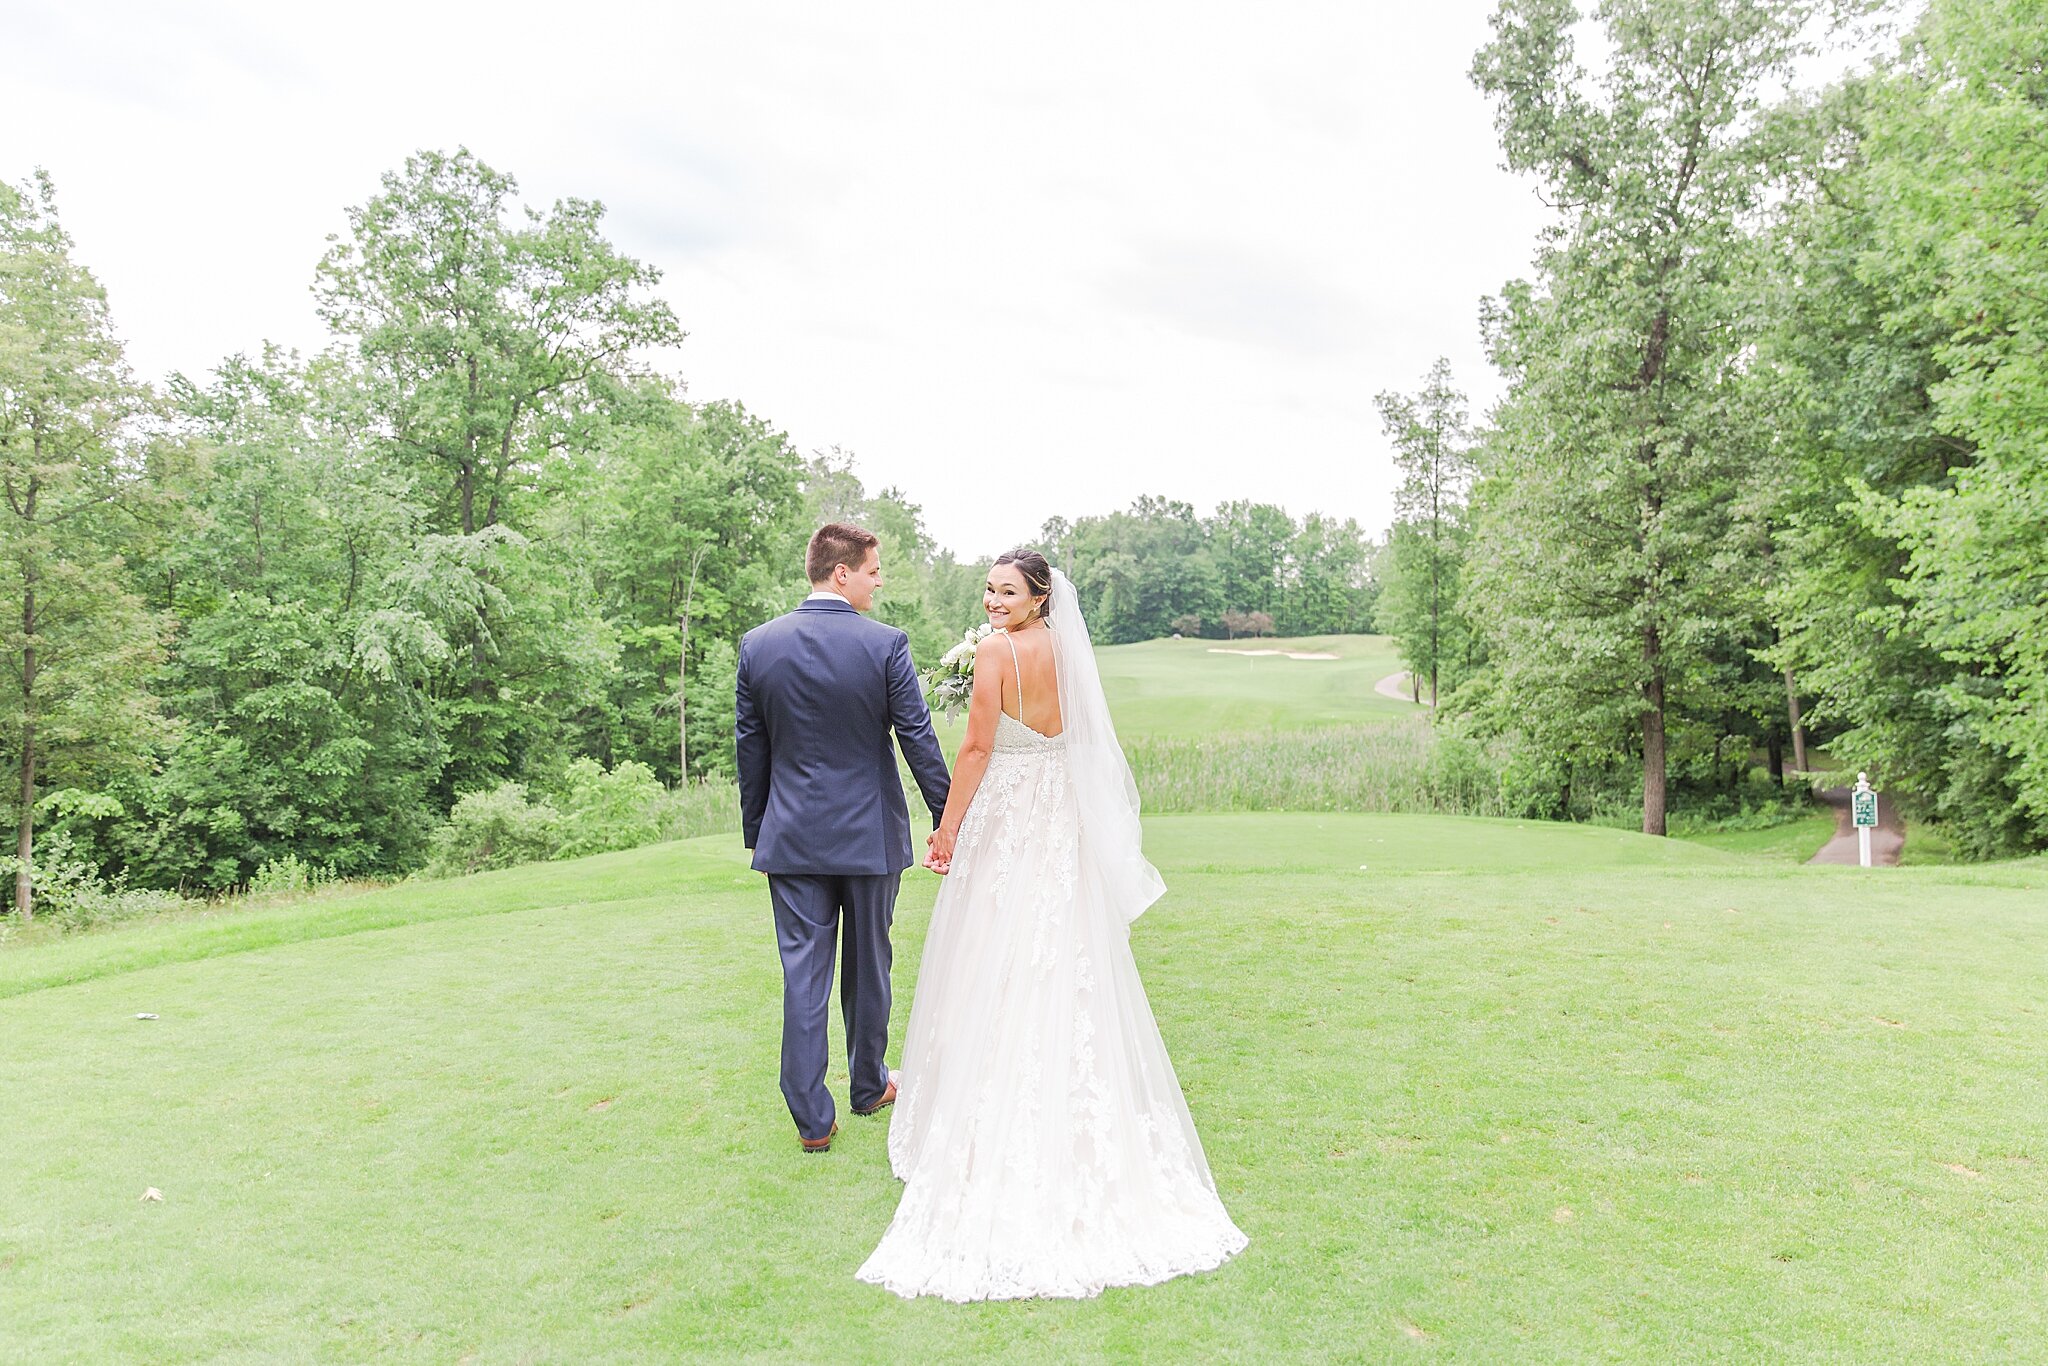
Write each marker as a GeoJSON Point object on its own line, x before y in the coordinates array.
{"type": "Point", "coordinates": [939, 851]}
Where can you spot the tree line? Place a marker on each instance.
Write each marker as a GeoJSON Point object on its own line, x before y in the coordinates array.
{"type": "Point", "coordinates": [296, 608]}
{"type": "Point", "coordinates": [289, 615]}
{"type": "Point", "coordinates": [1769, 471]}
{"type": "Point", "coordinates": [1159, 569]}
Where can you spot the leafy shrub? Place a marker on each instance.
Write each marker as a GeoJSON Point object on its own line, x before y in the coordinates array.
{"type": "Point", "coordinates": [71, 895]}
{"type": "Point", "coordinates": [288, 874]}
{"type": "Point", "coordinates": [601, 811]}
{"type": "Point", "coordinates": [497, 828]}
{"type": "Point", "coordinates": [594, 812]}
{"type": "Point", "coordinates": [710, 806]}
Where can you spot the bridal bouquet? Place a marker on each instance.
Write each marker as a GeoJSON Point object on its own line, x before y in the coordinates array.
{"type": "Point", "coordinates": [950, 682]}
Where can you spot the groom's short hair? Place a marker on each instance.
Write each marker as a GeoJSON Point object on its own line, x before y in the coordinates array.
{"type": "Point", "coordinates": [837, 543]}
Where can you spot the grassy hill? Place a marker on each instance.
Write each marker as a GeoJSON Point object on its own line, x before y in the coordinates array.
{"type": "Point", "coordinates": [1493, 1089]}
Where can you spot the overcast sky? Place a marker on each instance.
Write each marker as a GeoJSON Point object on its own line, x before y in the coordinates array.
{"type": "Point", "coordinates": [1020, 264]}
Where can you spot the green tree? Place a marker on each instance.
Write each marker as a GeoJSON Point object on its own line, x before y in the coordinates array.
{"type": "Point", "coordinates": [1326, 589]}
{"type": "Point", "coordinates": [1137, 570]}
{"type": "Point", "coordinates": [492, 349]}
{"type": "Point", "coordinates": [955, 594]}
{"type": "Point", "coordinates": [1961, 154]}
{"type": "Point", "coordinates": [1606, 544]}
{"type": "Point", "coordinates": [1846, 359]}
{"type": "Point", "coordinates": [80, 468]}
{"type": "Point", "coordinates": [702, 540]}
{"type": "Point", "coordinates": [1250, 543]}
{"type": "Point", "coordinates": [906, 599]}
{"type": "Point", "coordinates": [1906, 554]}
{"type": "Point", "coordinates": [303, 655]}
{"type": "Point", "coordinates": [1428, 542]}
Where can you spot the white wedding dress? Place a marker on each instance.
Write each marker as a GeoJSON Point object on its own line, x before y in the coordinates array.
{"type": "Point", "coordinates": [1040, 1132]}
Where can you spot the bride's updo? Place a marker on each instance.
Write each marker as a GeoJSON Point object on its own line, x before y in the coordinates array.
{"type": "Point", "coordinates": [1037, 574]}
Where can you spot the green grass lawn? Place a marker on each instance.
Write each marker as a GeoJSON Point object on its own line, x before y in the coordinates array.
{"type": "Point", "coordinates": [1794, 840]}
{"type": "Point", "coordinates": [1185, 687]}
{"type": "Point", "coordinates": [1193, 687]}
{"type": "Point", "coordinates": [1480, 1089]}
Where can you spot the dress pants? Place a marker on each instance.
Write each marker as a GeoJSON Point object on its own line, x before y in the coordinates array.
{"type": "Point", "coordinates": [809, 907]}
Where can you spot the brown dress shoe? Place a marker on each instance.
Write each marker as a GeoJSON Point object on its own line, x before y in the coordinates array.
{"type": "Point", "coordinates": [888, 1099]}
{"type": "Point", "coordinates": [820, 1145]}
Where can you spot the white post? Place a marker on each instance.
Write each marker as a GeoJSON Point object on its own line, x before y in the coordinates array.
{"type": "Point", "coordinates": [1862, 829]}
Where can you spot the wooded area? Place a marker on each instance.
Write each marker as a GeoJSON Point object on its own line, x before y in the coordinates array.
{"type": "Point", "coordinates": [1774, 452]}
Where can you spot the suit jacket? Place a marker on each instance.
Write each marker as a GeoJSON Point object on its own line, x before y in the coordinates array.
{"type": "Point", "coordinates": [820, 689]}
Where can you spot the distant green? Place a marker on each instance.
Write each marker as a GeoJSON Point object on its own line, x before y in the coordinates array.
{"type": "Point", "coordinates": [1197, 686]}
{"type": "Point", "coordinates": [1499, 1089]}
{"type": "Point", "coordinates": [1183, 687]}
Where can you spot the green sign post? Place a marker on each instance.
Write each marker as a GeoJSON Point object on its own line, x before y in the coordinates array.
{"type": "Point", "coordinates": [1866, 808]}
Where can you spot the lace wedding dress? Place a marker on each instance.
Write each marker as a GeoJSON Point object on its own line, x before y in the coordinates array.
{"type": "Point", "coordinates": [1040, 1133]}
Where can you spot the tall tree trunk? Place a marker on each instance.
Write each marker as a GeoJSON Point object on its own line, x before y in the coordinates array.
{"type": "Point", "coordinates": [466, 467]}
{"type": "Point", "coordinates": [481, 692]}
{"type": "Point", "coordinates": [1435, 601]}
{"type": "Point", "coordinates": [25, 836]}
{"type": "Point", "coordinates": [1798, 731]}
{"type": "Point", "coordinates": [683, 674]}
{"type": "Point", "coordinates": [1647, 380]}
{"type": "Point", "coordinates": [1653, 735]}
{"type": "Point", "coordinates": [24, 842]}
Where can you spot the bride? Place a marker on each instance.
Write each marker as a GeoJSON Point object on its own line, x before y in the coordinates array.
{"type": "Point", "coordinates": [1041, 1136]}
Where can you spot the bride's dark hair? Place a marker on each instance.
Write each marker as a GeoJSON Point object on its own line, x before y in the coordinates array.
{"type": "Point", "coordinates": [1037, 574]}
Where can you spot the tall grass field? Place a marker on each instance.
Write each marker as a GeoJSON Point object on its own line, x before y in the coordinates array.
{"type": "Point", "coordinates": [1478, 1091]}
{"type": "Point", "coordinates": [1388, 766]}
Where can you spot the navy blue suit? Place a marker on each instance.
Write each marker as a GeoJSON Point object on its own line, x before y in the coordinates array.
{"type": "Point", "coordinates": [820, 691]}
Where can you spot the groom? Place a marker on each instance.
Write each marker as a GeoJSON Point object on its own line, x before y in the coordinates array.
{"type": "Point", "coordinates": [821, 804]}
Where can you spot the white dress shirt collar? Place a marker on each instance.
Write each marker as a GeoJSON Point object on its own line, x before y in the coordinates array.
{"type": "Point", "coordinates": [820, 593]}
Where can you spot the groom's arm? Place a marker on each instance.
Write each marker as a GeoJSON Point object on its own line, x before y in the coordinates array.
{"type": "Point", "coordinates": [912, 721]}
{"type": "Point", "coordinates": [750, 744]}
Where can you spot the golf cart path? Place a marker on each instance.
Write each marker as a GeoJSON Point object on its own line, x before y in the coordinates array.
{"type": "Point", "coordinates": [1885, 841]}
{"type": "Point", "coordinates": [1396, 687]}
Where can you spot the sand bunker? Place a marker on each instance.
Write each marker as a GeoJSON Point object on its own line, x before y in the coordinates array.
{"type": "Point", "coordinates": [1291, 654]}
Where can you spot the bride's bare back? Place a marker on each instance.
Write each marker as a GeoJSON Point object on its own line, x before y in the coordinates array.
{"type": "Point", "coordinates": [1016, 675]}
{"type": "Point", "coordinates": [1031, 690]}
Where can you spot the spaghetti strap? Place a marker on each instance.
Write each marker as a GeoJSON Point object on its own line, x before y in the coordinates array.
{"type": "Point", "coordinates": [1019, 669]}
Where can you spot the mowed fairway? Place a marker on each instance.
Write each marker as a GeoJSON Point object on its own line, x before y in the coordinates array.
{"type": "Point", "coordinates": [1477, 1090]}
{"type": "Point", "coordinates": [1187, 687]}
{"type": "Point", "coordinates": [1197, 687]}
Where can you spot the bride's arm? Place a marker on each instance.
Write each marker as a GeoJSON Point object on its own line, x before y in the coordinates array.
{"type": "Point", "coordinates": [983, 706]}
